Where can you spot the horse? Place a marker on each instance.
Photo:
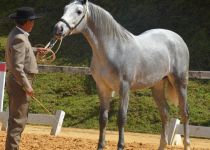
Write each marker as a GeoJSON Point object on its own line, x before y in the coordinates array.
{"type": "Point", "coordinates": [122, 62]}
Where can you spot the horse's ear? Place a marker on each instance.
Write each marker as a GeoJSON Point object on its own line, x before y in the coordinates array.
{"type": "Point", "coordinates": [83, 1]}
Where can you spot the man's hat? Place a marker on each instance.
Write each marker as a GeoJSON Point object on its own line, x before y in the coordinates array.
{"type": "Point", "coordinates": [27, 13]}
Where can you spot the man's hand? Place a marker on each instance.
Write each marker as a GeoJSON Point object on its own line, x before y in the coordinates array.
{"type": "Point", "coordinates": [29, 92]}
{"type": "Point", "coordinates": [42, 50]}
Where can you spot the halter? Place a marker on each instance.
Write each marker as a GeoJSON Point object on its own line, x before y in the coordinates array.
{"type": "Point", "coordinates": [44, 59]}
{"type": "Point", "coordinates": [67, 24]}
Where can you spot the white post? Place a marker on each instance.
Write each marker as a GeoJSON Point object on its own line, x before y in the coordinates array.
{"type": "Point", "coordinates": [58, 122]}
{"type": "Point", "coordinates": [2, 83]}
{"type": "Point", "coordinates": [173, 137]}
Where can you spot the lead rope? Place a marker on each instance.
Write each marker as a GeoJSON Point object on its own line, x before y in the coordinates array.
{"type": "Point", "coordinates": [39, 102]}
{"type": "Point", "coordinates": [49, 56]}
{"type": "Point", "coordinates": [47, 59]}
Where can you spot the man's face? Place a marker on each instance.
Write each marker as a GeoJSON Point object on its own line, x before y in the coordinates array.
{"type": "Point", "coordinates": [29, 25]}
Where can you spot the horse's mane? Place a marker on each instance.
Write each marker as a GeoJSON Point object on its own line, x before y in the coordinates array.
{"type": "Point", "coordinates": [104, 22]}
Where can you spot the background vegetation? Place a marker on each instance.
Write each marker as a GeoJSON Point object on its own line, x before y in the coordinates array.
{"type": "Point", "coordinates": [76, 94]}
{"type": "Point", "coordinates": [190, 19]}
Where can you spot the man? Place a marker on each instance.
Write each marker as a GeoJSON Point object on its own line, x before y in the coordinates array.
{"type": "Point", "coordinates": [22, 66]}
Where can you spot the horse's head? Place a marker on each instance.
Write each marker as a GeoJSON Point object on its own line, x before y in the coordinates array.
{"type": "Point", "coordinates": [73, 19]}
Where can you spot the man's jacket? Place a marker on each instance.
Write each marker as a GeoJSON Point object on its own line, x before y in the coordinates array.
{"type": "Point", "coordinates": [20, 58]}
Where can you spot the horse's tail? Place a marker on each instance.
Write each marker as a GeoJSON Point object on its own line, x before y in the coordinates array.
{"type": "Point", "coordinates": [170, 91]}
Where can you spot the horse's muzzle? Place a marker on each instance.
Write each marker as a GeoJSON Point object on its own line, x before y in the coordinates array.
{"type": "Point", "coordinates": [58, 31]}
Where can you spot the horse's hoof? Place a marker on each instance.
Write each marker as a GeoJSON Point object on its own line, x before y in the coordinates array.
{"type": "Point", "coordinates": [101, 146]}
{"type": "Point", "coordinates": [187, 147]}
{"type": "Point", "coordinates": [120, 148]}
{"type": "Point", "coordinates": [162, 147]}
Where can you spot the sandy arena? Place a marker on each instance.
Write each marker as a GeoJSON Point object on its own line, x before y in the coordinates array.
{"type": "Point", "coordinates": [38, 138]}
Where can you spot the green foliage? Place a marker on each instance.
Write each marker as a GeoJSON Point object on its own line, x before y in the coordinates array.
{"type": "Point", "coordinates": [199, 100]}
{"type": "Point", "coordinates": [190, 19]}
{"type": "Point", "coordinates": [2, 47]}
{"type": "Point", "coordinates": [69, 93]}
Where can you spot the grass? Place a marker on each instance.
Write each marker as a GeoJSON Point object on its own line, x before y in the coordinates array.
{"type": "Point", "coordinates": [76, 95]}
{"type": "Point", "coordinates": [3, 40]}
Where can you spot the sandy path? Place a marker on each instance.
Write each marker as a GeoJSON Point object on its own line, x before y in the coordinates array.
{"type": "Point", "coordinates": [38, 138]}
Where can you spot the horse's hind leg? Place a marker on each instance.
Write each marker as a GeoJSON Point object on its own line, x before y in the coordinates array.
{"type": "Point", "coordinates": [105, 98]}
{"type": "Point", "coordinates": [181, 87]}
{"type": "Point", "coordinates": [122, 116]}
{"type": "Point", "coordinates": [159, 96]}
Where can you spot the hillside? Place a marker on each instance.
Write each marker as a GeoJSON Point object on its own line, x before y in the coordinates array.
{"type": "Point", "coordinates": [190, 19]}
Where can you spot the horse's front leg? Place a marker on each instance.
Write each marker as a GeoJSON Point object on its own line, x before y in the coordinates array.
{"type": "Point", "coordinates": [105, 98]}
{"type": "Point", "coordinates": [122, 116]}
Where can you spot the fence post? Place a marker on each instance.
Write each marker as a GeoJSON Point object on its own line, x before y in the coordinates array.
{"type": "Point", "coordinates": [173, 138]}
{"type": "Point", "coordinates": [57, 124]}
{"type": "Point", "coordinates": [2, 83]}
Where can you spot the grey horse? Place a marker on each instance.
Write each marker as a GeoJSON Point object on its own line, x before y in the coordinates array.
{"type": "Point", "coordinates": [157, 59]}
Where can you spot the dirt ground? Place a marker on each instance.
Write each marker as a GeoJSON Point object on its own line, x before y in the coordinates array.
{"type": "Point", "coordinates": [38, 138]}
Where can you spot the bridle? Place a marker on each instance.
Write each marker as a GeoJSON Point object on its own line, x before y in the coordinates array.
{"type": "Point", "coordinates": [71, 29]}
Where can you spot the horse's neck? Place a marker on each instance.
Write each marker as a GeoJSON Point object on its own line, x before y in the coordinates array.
{"type": "Point", "coordinates": [94, 37]}
{"type": "Point", "coordinates": [96, 44]}
{"type": "Point", "coordinates": [102, 30]}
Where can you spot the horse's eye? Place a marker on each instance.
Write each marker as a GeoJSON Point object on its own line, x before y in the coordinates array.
{"type": "Point", "coordinates": [79, 12]}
